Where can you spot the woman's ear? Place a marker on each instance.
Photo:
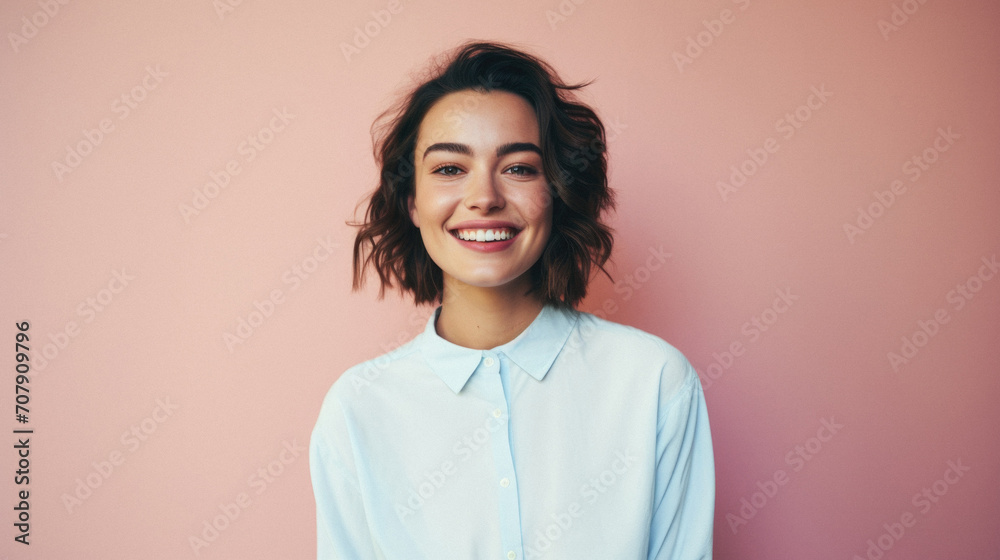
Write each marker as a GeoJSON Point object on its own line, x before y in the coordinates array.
{"type": "Point", "coordinates": [414, 217]}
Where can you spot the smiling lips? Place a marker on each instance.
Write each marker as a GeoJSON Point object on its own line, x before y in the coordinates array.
{"type": "Point", "coordinates": [485, 235]}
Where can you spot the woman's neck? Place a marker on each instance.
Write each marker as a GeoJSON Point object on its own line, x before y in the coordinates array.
{"type": "Point", "coordinates": [484, 318]}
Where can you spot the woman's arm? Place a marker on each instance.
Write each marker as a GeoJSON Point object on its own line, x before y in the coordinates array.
{"type": "Point", "coordinates": [684, 493]}
{"type": "Point", "coordinates": [342, 525]}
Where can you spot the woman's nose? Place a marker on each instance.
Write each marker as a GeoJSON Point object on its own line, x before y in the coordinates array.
{"type": "Point", "coordinates": [483, 192]}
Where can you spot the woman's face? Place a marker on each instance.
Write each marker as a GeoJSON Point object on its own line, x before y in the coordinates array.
{"type": "Point", "coordinates": [481, 199]}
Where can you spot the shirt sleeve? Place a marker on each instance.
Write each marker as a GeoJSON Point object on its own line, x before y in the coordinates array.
{"type": "Point", "coordinates": [342, 530]}
{"type": "Point", "coordinates": [684, 492]}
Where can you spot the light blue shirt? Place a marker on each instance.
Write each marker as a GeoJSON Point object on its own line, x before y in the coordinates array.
{"type": "Point", "coordinates": [579, 439]}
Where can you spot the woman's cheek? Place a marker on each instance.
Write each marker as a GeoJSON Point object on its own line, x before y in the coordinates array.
{"type": "Point", "coordinates": [540, 204]}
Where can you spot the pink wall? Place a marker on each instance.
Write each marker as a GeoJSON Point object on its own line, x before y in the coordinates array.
{"type": "Point", "coordinates": [130, 297]}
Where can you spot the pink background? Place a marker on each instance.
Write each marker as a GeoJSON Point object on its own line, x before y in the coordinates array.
{"type": "Point", "coordinates": [220, 419]}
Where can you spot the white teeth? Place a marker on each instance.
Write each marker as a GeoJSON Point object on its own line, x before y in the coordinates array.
{"type": "Point", "coordinates": [484, 235]}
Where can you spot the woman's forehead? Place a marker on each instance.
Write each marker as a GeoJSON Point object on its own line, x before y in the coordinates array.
{"type": "Point", "coordinates": [478, 120]}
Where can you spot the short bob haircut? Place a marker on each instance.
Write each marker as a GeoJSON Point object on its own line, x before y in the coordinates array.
{"type": "Point", "coordinates": [574, 157]}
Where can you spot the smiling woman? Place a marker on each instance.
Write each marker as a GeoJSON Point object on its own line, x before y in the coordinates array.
{"type": "Point", "coordinates": [482, 203]}
{"type": "Point", "coordinates": [514, 426]}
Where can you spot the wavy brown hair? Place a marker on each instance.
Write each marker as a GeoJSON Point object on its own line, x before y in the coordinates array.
{"type": "Point", "coordinates": [574, 157]}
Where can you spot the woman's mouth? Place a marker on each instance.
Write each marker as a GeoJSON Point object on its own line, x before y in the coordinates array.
{"type": "Point", "coordinates": [485, 235]}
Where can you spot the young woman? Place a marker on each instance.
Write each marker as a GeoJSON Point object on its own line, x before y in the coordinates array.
{"type": "Point", "coordinates": [514, 426]}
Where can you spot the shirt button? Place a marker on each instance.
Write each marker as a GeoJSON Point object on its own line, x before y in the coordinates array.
{"type": "Point", "coordinates": [488, 362]}
{"type": "Point", "coordinates": [511, 554]}
{"type": "Point", "coordinates": [497, 413]}
{"type": "Point", "coordinates": [505, 482]}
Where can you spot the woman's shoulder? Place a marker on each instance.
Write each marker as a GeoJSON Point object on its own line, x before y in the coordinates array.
{"type": "Point", "coordinates": [372, 370]}
{"type": "Point", "coordinates": [635, 349]}
{"type": "Point", "coordinates": [624, 338]}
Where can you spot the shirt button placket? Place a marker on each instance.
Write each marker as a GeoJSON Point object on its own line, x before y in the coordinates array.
{"type": "Point", "coordinates": [510, 514]}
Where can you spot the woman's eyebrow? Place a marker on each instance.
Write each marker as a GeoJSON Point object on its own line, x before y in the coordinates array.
{"type": "Point", "coordinates": [502, 150]}
{"type": "Point", "coordinates": [448, 147]}
{"type": "Point", "coordinates": [514, 147]}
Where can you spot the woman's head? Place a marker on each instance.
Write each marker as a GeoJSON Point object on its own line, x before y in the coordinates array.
{"type": "Point", "coordinates": [542, 182]}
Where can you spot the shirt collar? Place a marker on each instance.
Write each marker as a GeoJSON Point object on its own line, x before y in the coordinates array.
{"type": "Point", "coordinates": [534, 350]}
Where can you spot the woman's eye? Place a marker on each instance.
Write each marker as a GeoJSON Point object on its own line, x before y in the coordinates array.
{"type": "Point", "coordinates": [447, 170]}
{"type": "Point", "coordinates": [522, 170]}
